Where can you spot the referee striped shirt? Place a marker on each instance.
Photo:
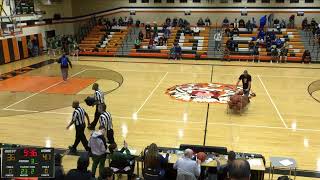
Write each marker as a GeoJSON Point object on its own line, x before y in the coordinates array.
{"type": "Point", "coordinates": [99, 96]}
{"type": "Point", "coordinates": [106, 120]}
{"type": "Point", "coordinates": [78, 116]}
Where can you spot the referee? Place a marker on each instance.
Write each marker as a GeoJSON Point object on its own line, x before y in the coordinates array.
{"type": "Point", "coordinates": [78, 120]}
{"type": "Point", "coordinates": [105, 120]}
{"type": "Point", "coordinates": [99, 102]}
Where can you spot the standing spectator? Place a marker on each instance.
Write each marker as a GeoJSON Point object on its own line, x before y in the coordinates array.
{"type": "Point", "coordinates": [155, 28]}
{"type": "Point", "coordinates": [30, 48]}
{"type": "Point", "coordinates": [155, 162]}
{"type": "Point", "coordinates": [187, 166]}
{"type": "Point", "coordinates": [98, 102]}
{"type": "Point", "coordinates": [98, 145]}
{"type": "Point", "coordinates": [178, 51]}
{"type": "Point", "coordinates": [284, 52]}
{"type": "Point", "coordinates": [270, 20]}
{"type": "Point", "coordinates": [166, 35]}
{"type": "Point", "coordinates": [249, 26]}
{"type": "Point", "coordinates": [78, 117]}
{"type": "Point", "coordinates": [64, 66]}
{"type": "Point", "coordinates": [141, 36]}
{"type": "Point", "coordinates": [207, 21]}
{"type": "Point", "coordinates": [137, 43]}
{"type": "Point", "coordinates": [304, 23]}
{"type": "Point", "coordinates": [236, 23]}
{"type": "Point", "coordinates": [105, 120]}
{"type": "Point", "coordinates": [254, 23]}
{"type": "Point", "coordinates": [81, 173]}
{"type": "Point", "coordinates": [283, 24]}
{"type": "Point", "coordinates": [291, 21]}
{"type": "Point", "coordinates": [240, 170]}
{"type": "Point", "coordinates": [35, 48]}
{"type": "Point", "coordinates": [225, 23]}
{"type": "Point", "coordinates": [217, 40]}
{"type": "Point", "coordinates": [227, 32]}
{"type": "Point", "coordinates": [274, 54]}
{"type": "Point", "coordinates": [263, 21]}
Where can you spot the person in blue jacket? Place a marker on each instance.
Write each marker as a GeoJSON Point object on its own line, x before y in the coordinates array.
{"type": "Point", "coordinates": [263, 21]}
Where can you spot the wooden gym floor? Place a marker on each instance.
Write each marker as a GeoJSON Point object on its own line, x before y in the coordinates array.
{"type": "Point", "coordinates": [281, 121]}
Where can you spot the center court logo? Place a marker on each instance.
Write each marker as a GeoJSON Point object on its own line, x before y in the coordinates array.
{"type": "Point", "coordinates": [203, 92]}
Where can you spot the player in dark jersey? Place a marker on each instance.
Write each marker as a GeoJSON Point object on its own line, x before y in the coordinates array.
{"type": "Point", "coordinates": [246, 82]}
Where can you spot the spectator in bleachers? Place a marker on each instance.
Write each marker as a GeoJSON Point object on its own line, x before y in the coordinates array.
{"type": "Point", "coordinates": [130, 21]}
{"type": "Point", "coordinates": [304, 23]}
{"type": "Point", "coordinates": [155, 162]}
{"type": "Point", "coordinates": [272, 35]}
{"type": "Point", "coordinates": [200, 22]}
{"type": "Point", "coordinates": [178, 51]}
{"type": "Point", "coordinates": [155, 28]}
{"type": "Point", "coordinates": [59, 172]}
{"type": "Point", "coordinates": [236, 23]}
{"type": "Point", "coordinates": [254, 23]}
{"type": "Point", "coordinates": [137, 23]}
{"type": "Point", "coordinates": [155, 39]}
{"type": "Point", "coordinates": [196, 31]}
{"type": "Point", "coordinates": [125, 21]}
{"type": "Point", "coordinates": [188, 166]}
{"type": "Point", "coordinates": [276, 22]}
{"type": "Point", "coordinates": [207, 21]}
{"type": "Point", "coordinates": [278, 43]}
{"type": "Point", "coordinates": [249, 26]}
{"type": "Point", "coordinates": [114, 22]}
{"type": "Point", "coordinates": [120, 21]}
{"type": "Point", "coordinates": [172, 53]}
{"type": "Point", "coordinates": [241, 23]}
{"type": "Point", "coordinates": [174, 22]}
{"type": "Point", "coordinates": [137, 43]}
{"type": "Point", "coordinates": [226, 54]}
{"type": "Point", "coordinates": [82, 172]}
{"type": "Point", "coordinates": [313, 23]}
{"type": "Point", "coordinates": [228, 44]}
{"type": "Point", "coordinates": [148, 30]}
{"type": "Point", "coordinates": [235, 31]}
{"type": "Point", "coordinates": [263, 21]}
{"type": "Point", "coordinates": [225, 22]}
{"type": "Point", "coordinates": [291, 21]}
{"type": "Point", "coordinates": [121, 160]}
{"type": "Point", "coordinates": [283, 24]}
{"type": "Point", "coordinates": [284, 52]}
{"type": "Point", "coordinates": [151, 44]}
{"type": "Point", "coordinates": [217, 41]}
{"type": "Point", "coordinates": [223, 170]}
{"type": "Point", "coordinates": [227, 32]}
{"type": "Point", "coordinates": [239, 170]}
{"type": "Point", "coordinates": [187, 30]}
{"type": "Point", "coordinates": [270, 20]}
{"type": "Point", "coordinates": [261, 34]}
{"type": "Point", "coordinates": [166, 35]}
{"type": "Point", "coordinates": [185, 23]}
{"type": "Point", "coordinates": [234, 45]}
{"type": "Point", "coordinates": [306, 57]}
{"type": "Point", "coordinates": [251, 46]}
{"type": "Point", "coordinates": [274, 54]}
{"type": "Point", "coordinates": [30, 48]}
{"type": "Point", "coordinates": [98, 145]}
{"type": "Point", "coordinates": [106, 174]}
{"type": "Point", "coordinates": [180, 22]}
{"type": "Point", "coordinates": [161, 41]}
{"type": "Point", "coordinates": [140, 36]}
{"type": "Point", "coordinates": [168, 21]}
{"type": "Point", "coordinates": [256, 52]}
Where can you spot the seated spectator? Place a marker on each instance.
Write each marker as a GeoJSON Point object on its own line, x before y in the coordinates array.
{"type": "Point", "coordinates": [155, 28]}
{"type": "Point", "coordinates": [114, 22]}
{"type": "Point", "coordinates": [236, 23]}
{"type": "Point", "coordinates": [59, 172]}
{"type": "Point", "coordinates": [227, 32]}
{"type": "Point", "coordinates": [313, 23]}
{"type": "Point", "coordinates": [239, 170]}
{"type": "Point", "coordinates": [178, 51]}
{"type": "Point", "coordinates": [180, 22]}
{"type": "Point", "coordinates": [235, 32]}
{"type": "Point", "coordinates": [154, 162]}
{"type": "Point", "coordinates": [174, 22]}
{"type": "Point", "coordinates": [200, 22]}
{"type": "Point", "coordinates": [306, 57]}
{"type": "Point", "coordinates": [260, 42]}
{"type": "Point", "coordinates": [166, 35]}
{"type": "Point", "coordinates": [261, 34]}
{"type": "Point", "coordinates": [98, 146]}
{"type": "Point", "coordinates": [283, 24]}
{"type": "Point", "coordinates": [229, 44]}
{"type": "Point", "coordinates": [249, 26]}
{"type": "Point", "coordinates": [148, 30]}
{"type": "Point", "coordinates": [106, 174]}
{"type": "Point", "coordinates": [120, 21]}
{"type": "Point", "coordinates": [276, 22]}
{"type": "Point", "coordinates": [223, 170]}
{"type": "Point", "coordinates": [168, 21]}
{"type": "Point", "coordinates": [254, 23]}
{"type": "Point", "coordinates": [130, 21]}
{"type": "Point", "coordinates": [81, 173]}
{"type": "Point", "coordinates": [172, 53]}
{"type": "Point", "coordinates": [161, 41]}
{"type": "Point", "coordinates": [207, 21]}
{"type": "Point", "coordinates": [125, 21]}
{"type": "Point", "coordinates": [196, 31]}
{"type": "Point", "coordinates": [137, 23]}
{"type": "Point", "coordinates": [150, 45]}
{"type": "Point", "coordinates": [121, 160]}
{"type": "Point", "coordinates": [272, 35]}
{"type": "Point", "coordinates": [155, 39]}
{"type": "Point", "coordinates": [241, 23]}
{"type": "Point", "coordinates": [251, 46]}
{"type": "Point", "coordinates": [137, 43]}
{"type": "Point", "coordinates": [187, 30]}
{"type": "Point", "coordinates": [187, 167]}
{"type": "Point", "coordinates": [140, 36]}
{"type": "Point", "coordinates": [225, 23]}
{"type": "Point", "coordinates": [278, 43]}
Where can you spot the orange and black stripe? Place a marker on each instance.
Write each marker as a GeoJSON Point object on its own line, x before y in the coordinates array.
{"type": "Point", "coordinates": [5, 49]}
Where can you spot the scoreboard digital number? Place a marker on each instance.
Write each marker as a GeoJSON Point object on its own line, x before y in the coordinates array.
{"type": "Point", "coordinates": [27, 162]}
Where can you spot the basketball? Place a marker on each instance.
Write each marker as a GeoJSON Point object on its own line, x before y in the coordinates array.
{"type": "Point", "coordinates": [202, 156]}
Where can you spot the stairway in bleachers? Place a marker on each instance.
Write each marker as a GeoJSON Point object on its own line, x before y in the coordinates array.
{"type": "Point", "coordinates": [128, 42]}
{"type": "Point", "coordinates": [212, 53]}
{"type": "Point", "coordinates": [313, 47]}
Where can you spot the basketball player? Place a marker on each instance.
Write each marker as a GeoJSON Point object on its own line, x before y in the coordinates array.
{"type": "Point", "coordinates": [246, 82]}
{"type": "Point", "coordinates": [78, 119]}
{"type": "Point", "coordinates": [64, 65]}
{"type": "Point", "coordinates": [99, 102]}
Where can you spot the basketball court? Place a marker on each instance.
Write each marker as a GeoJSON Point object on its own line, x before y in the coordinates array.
{"type": "Point", "coordinates": [280, 121]}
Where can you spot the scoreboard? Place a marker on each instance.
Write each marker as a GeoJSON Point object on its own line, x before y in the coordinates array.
{"type": "Point", "coordinates": [27, 162]}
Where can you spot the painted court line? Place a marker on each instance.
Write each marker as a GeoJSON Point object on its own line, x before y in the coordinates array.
{"type": "Point", "coordinates": [41, 91]}
{"type": "Point", "coordinates": [272, 102]}
{"type": "Point", "coordinates": [155, 88]}
{"type": "Point", "coordinates": [178, 121]}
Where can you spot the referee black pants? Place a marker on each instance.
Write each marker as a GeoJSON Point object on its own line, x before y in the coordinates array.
{"type": "Point", "coordinates": [80, 136]}
{"type": "Point", "coordinates": [96, 117]}
{"type": "Point", "coordinates": [110, 136]}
